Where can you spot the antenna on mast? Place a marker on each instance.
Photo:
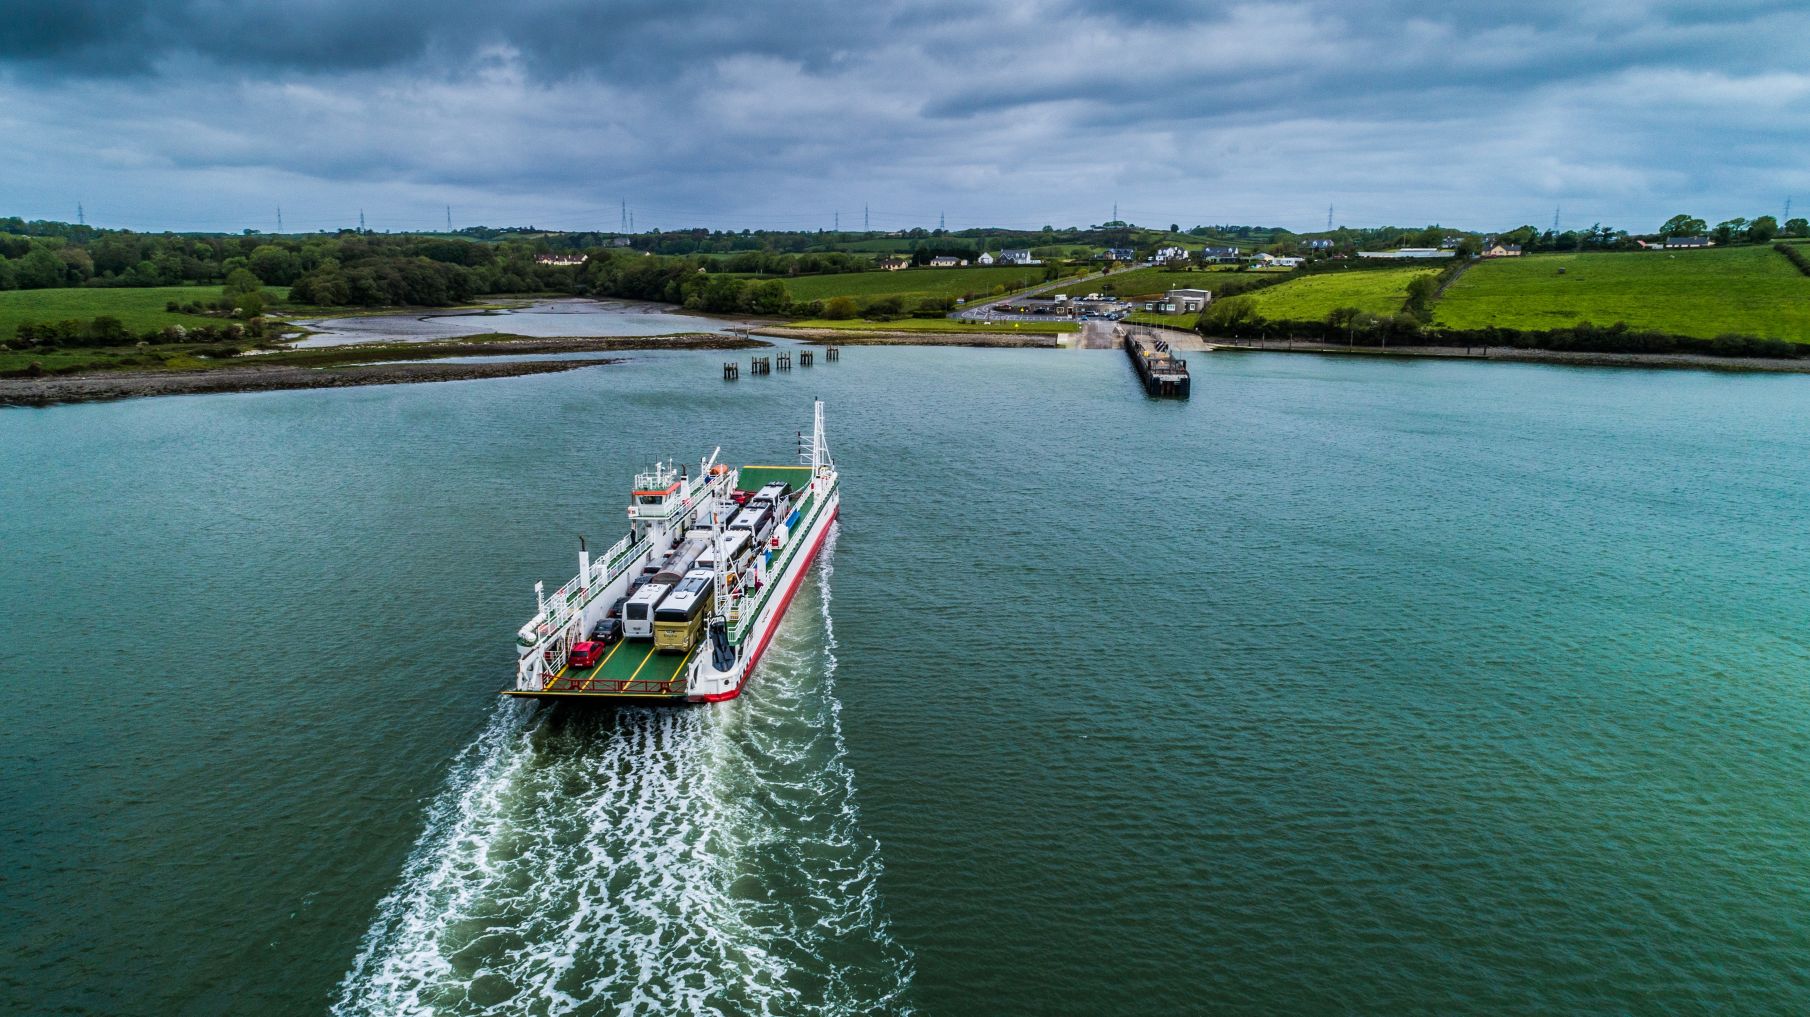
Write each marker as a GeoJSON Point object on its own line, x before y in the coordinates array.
{"type": "Point", "coordinates": [449, 218]}
{"type": "Point", "coordinates": [1555, 220]}
{"type": "Point", "coordinates": [1328, 217]}
{"type": "Point", "coordinates": [279, 219]}
{"type": "Point", "coordinates": [81, 219]}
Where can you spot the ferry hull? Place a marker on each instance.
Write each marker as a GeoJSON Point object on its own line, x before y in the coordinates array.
{"type": "Point", "coordinates": [801, 569]}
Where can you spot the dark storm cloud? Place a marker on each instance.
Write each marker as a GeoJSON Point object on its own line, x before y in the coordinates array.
{"type": "Point", "coordinates": [1004, 111]}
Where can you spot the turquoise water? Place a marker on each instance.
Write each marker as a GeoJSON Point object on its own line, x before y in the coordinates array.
{"type": "Point", "coordinates": [1346, 686]}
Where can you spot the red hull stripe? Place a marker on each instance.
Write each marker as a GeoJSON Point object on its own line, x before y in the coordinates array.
{"type": "Point", "coordinates": [780, 614]}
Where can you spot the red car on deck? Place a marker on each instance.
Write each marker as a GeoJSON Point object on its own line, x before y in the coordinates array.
{"type": "Point", "coordinates": [585, 654]}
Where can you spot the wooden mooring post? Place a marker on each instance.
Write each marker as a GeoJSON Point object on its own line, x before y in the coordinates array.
{"type": "Point", "coordinates": [785, 361]}
{"type": "Point", "coordinates": [804, 358]}
{"type": "Point", "coordinates": [731, 370]}
{"type": "Point", "coordinates": [833, 353]}
{"type": "Point", "coordinates": [760, 365]}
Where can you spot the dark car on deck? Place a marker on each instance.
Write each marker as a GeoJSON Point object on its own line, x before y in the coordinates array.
{"type": "Point", "coordinates": [607, 631]}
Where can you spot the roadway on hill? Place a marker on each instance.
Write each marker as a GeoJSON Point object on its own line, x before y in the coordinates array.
{"type": "Point", "coordinates": [988, 311]}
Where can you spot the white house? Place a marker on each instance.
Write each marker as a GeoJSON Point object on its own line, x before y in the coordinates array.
{"type": "Point", "coordinates": [1170, 253]}
{"type": "Point", "coordinates": [984, 259]}
{"type": "Point", "coordinates": [1409, 252]}
{"type": "Point", "coordinates": [1218, 255]}
{"type": "Point", "coordinates": [1017, 257]}
{"type": "Point", "coordinates": [1265, 260]}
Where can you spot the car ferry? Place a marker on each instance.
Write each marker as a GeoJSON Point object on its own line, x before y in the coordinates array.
{"type": "Point", "coordinates": [681, 608]}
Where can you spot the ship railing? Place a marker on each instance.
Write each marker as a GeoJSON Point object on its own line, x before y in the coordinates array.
{"type": "Point", "coordinates": [617, 686]}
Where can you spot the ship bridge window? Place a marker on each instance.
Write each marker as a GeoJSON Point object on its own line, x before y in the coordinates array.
{"type": "Point", "coordinates": [651, 499]}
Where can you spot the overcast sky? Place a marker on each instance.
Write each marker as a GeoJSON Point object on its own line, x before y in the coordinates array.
{"type": "Point", "coordinates": [209, 114]}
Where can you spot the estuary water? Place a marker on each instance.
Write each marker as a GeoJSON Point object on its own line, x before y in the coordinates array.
{"type": "Point", "coordinates": [1348, 686]}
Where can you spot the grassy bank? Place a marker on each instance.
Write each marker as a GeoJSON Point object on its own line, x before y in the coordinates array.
{"type": "Point", "coordinates": [1707, 293]}
{"type": "Point", "coordinates": [910, 283]}
{"type": "Point", "coordinates": [1312, 297]}
{"type": "Point", "coordinates": [140, 310]}
{"type": "Point", "coordinates": [938, 325]}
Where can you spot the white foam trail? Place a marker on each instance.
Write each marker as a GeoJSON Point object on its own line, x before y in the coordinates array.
{"type": "Point", "coordinates": [703, 860]}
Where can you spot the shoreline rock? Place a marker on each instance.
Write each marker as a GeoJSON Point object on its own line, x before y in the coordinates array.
{"type": "Point", "coordinates": [81, 388]}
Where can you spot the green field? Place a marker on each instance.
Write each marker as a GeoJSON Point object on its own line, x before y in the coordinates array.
{"type": "Point", "coordinates": [1741, 290]}
{"type": "Point", "coordinates": [910, 283]}
{"type": "Point", "coordinates": [939, 325]}
{"type": "Point", "coordinates": [1311, 298]}
{"type": "Point", "coordinates": [140, 309]}
{"type": "Point", "coordinates": [1152, 318]}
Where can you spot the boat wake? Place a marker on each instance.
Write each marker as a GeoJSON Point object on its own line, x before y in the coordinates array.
{"type": "Point", "coordinates": [648, 861]}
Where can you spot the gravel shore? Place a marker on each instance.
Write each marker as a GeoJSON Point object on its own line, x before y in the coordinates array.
{"type": "Point", "coordinates": [82, 388]}
{"type": "Point", "coordinates": [1693, 361]}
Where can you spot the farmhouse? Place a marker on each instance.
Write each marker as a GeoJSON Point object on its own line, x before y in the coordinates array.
{"type": "Point", "coordinates": [1265, 260]}
{"type": "Point", "coordinates": [946, 261]}
{"type": "Point", "coordinates": [1017, 257]}
{"type": "Point", "coordinates": [1409, 252]}
{"type": "Point", "coordinates": [892, 264]}
{"type": "Point", "coordinates": [1170, 253]}
{"type": "Point", "coordinates": [559, 259]}
{"type": "Point", "coordinates": [1218, 255]}
{"type": "Point", "coordinates": [1117, 254]}
{"type": "Point", "coordinates": [1186, 301]}
{"type": "Point", "coordinates": [1673, 243]}
{"type": "Point", "coordinates": [1502, 251]}
{"type": "Point", "coordinates": [1319, 244]}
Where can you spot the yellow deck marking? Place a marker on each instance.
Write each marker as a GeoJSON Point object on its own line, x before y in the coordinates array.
{"type": "Point", "coordinates": [650, 656]}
